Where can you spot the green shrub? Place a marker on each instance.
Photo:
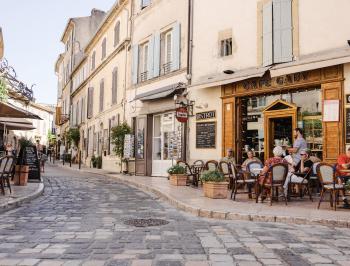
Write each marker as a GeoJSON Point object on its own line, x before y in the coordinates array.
{"type": "Point", "coordinates": [99, 162]}
{"type": "Point", "coordinates": [212, 176]}
{"type": "Point", "coordinates": [94, 161]}
{"type": "Point", "coordinates": [118, 136]}
{"type": "Point", "coordinates": [176, 170]}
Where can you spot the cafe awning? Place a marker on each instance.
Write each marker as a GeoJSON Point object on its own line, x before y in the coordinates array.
{"type": "Point", "coordinates": [313, 61]}
{"type": "Point", "coordinates": [15, 124]}
{"type": "Point", "coordinates": [161, 93]}
{"type": "Point", "coordinates": [223, 79]}
{"type": "Point", "coordinates": [10, 110]}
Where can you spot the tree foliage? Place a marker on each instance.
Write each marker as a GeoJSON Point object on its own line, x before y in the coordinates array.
{"type": "Point", "coordinates": [73, 136]}
{"type": "Point", "coordinates": [118, 136]}
{"type": "Point", "coordinates": [3, 90]}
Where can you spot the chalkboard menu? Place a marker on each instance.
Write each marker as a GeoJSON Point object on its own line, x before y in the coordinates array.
{"type": "Point", "coordinates": [29, 156]}
{"type": "Point", "coordinates": [347, 123]}
{"type": "Point", "coordinates": [206, 135]}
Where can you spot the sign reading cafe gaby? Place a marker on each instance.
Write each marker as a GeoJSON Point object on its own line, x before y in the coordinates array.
{"type": "Point", "coordinates": [266, 81]}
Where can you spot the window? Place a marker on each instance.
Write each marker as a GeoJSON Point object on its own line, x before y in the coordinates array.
{"type": "Point", "coordinates": [93, 59]}
{"type": "Point", "coordinates": [102, 92]}
{"type": "Point", "coordinates": [226, 47]}
{"type": "Point", "coordinates": [145, 3]}
{"type": "Point", "coordinates": [166, 52]}
{"type": "Point", "coordinates": [104, 44]}
{"type": "Point", "coordinates": [277, 44]}
{"type": "Point", "coordinates": [117, 33]}
{"type": "Point", "coordinates": [143, 62]}
{"type": "Point", "coordinates": [90, 106]}
{"type": "Point", "coordinates": [114, 85]}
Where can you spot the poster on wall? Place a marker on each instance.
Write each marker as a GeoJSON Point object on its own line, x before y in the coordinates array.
{"type": "Point", "coordinates": [331, 111]}
{"type": "Point", "coordinates": [129, 146]}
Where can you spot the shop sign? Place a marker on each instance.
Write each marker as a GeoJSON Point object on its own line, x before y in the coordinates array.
{"type": "Point", "coordinates": [182, 114]}
{"type": "Point", "coordinates": [267, 82]}
{"type": "Point", "coordinates": [206, 115]}
{"type": "Point", "coordinates": [252, 118]}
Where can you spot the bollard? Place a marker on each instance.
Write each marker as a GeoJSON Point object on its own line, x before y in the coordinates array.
{"type": "Point", "coordinates": [70, 160]}
{"type": "Point", "coordinates": [63, 157]}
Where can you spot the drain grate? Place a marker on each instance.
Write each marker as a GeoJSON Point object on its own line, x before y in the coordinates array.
{"type": "Point", "coordinates": [145, 222]}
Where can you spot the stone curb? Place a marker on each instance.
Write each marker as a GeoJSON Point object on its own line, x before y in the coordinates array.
{"type": "Point", "coordinates": [225, 215]}
{"type": "Point", "coordinates": [13, 203]}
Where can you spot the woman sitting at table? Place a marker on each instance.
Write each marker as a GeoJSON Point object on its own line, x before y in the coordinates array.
{"type": "Point", "coordinates": [251, 158]}
{"type": "Point", "coordinates": [263, 178]}
{"type": "Point", "coordinates": [303, 167]}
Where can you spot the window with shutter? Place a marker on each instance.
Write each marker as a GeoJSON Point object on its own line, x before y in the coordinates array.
{"type": "Point", "coordinates": [135, 64]}
{"type": "Point", "coordinates": [176, 47]}
{"type": "Point", "coordinates": [81, 109]}
{"type": "Point", "coordinates": [226, 47]}
{"type": "Point", "coordinates": [93, 59]}
{"type": "Point", "coordinates": [267, 34]}
{"type": "Point", "coordinates": [104, 47]}
{"type": "Point", "coordinates": [90, 106]}
{"type": "Point", "coordinates": [166, 52]}
{"type": "Point", "coordinates": [114, 85]}
{"type": "Point", "coordinates": [156, 55]}
{"type": "Point", "coordinates": [117, 33]}
{"type": "Point", "coordinates": [143, 62]}
{"type": "Point", "coordinates": [102, 92]}
{"type": "Point", "coordinates": [145, 3]}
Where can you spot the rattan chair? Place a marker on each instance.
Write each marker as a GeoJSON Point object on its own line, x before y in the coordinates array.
{"type": "Point", "coordinates": [328, 180]}
{"type": "Point", "coordinates": [211, 165]}
{"type": "Point", "coordinates": [226, 169]}
{"type": "Point", "coordinates": [7, 165]}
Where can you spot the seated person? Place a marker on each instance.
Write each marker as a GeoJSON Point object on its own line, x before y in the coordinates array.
{"type": "Point", "coordinates": [302, 167]}
{"type": "Point", "coordinates": [251, 158]}
{"type": "Point", "coordinates": [229, 157]}
{"type": "Point", "coordinates": [343, 163]}
{"type": "Point", "coordinates": [278, 153]}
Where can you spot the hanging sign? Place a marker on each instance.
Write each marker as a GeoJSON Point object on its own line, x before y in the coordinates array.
{"type": "Point", "coordinates": [206, 115]}
{"type": "Point", "coordinates": [182, 114]}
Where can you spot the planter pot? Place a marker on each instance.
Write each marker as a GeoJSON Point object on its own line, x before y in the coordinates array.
{"type": "Point", "coordinates": [178, 180]}
{"type": "Point", "coordinates": [215, 190]}
{"type": "Point", "coordinates": [21, 175]}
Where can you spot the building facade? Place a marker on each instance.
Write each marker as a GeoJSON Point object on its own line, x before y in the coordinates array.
{"type": "Point", "coordinates": [258, 70]}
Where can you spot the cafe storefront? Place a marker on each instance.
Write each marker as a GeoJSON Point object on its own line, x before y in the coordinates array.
{"type": "Point", "coordinates": [261, 113]}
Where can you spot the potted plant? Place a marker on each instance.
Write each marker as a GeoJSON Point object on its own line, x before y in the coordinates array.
{"type": "Point", "coordinates": [178, 175]}
{"type": "Point", "coordinates": [94, 161]}
{"type": "Point", "coordinates": [22, 170]}
{"type": "Point", "coordinates": [99, 162]}
{"type": "Point", "coordinates": [214, 185]}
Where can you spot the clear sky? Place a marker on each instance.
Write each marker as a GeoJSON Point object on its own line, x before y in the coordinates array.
{"type": "Point", "coordinates": [32, 31]}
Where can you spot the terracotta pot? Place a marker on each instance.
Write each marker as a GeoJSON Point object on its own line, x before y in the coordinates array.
{"type": "Point", "coordinates": [215, 190]}
{"type": "Point", "coordinates": [21, 175]}
{"type": "Point", "coordinates": [178, 180]}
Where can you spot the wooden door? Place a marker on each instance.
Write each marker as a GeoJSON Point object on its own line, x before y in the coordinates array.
{"type": "Point", "coordinates": [229, 125]}
{"type": "Point", "coordinates": [333, 132]}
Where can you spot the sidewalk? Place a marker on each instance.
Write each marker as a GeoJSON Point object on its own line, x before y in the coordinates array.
{"type": "Point", "coordinates": [19, 195]}
{"type": "Point", "coordinates": [298, 211]}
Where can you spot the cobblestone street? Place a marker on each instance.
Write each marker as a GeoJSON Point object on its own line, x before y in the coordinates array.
{"type": "Point", "coordinates": [80, 218]}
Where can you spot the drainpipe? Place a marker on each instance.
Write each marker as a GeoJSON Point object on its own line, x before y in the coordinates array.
{"type": "Point", "coordinates": [129, 16]}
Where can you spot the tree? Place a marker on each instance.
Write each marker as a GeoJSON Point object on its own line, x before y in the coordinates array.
{"type": "Point", "coordinates": [73, 136]}
{"type": "Point", "coordinates": [3, 90]}
{"type": "Point", "coordinates": [118, 136]}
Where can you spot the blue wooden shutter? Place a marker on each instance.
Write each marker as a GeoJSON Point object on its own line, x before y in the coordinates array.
{"type": "Point", "coordinates": [156, 55]}
{"type": "Point", "coordinates": [102, 92]}
{"type": "Point", "coordinates": [176, 46]}
{"type": "Point", "coordinates": [282, 31]}
{"type": "Point", "coordinates": [267, 35]}
{"type": "Point", "coordinates": [135, 62]}
{"type": "Point", "coordinates": [150, 58]}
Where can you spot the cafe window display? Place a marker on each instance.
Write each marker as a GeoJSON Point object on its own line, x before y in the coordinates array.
{"type": "Point", "coordinates": [268, 121]}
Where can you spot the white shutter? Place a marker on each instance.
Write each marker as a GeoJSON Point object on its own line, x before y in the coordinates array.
{"type": "Point", "coordinates": [267, 34]}
{"type": "Point", "coordinates": [135, 59]}
{"type": "Point", "coordinates": [150, 58]}
{"type": "Point", "coordinates": [176, 43]}
{"type": "Point", "coordinates": [156, 54]}
{"type": "Point", "coordinates": [282, 31]}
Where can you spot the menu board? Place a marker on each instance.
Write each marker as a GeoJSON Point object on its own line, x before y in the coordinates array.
{"type": "Point", "coordinates": [29, 156]}
{"type": "Point", "coordinates": [206, 135]}
{"type": "Point", "coordinates": [347, 124]}
{"type": "Point", "coordinates": [175, 144]}
{"type": "Point", "coordinates": [129, 146]}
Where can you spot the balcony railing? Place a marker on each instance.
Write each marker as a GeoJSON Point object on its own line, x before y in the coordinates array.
{"type": "Point", "coordinates": [143, 76]}
{"type": "Point", "coordinates": [166, 68]}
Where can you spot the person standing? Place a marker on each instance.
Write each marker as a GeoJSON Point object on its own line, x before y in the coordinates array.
{"type": "Point", "coordinates": [299, 145]}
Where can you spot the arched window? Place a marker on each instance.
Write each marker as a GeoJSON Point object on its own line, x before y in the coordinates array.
{"type": "Point", "coordinates": [117, 33]}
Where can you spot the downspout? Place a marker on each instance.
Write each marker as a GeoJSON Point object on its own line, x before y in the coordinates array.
{"type": "Point", "coordinates": [189, 71]}
{"type": "Point", "coordinates": [129, 16]}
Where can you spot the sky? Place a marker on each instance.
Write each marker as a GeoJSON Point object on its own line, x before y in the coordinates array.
{"type": "Point", "coordinates": [32, 31]}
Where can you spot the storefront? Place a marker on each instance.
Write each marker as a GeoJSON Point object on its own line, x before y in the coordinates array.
{"type": "Point", "coordinates": [261, 113]}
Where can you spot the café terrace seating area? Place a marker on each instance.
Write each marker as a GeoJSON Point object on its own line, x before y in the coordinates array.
{"type": "Point", "coordinates": [318, 189]}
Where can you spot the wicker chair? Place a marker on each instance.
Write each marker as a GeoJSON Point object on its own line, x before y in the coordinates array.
{"type": "Point", "coordinates": [7, 165]}
{"type": "Point", "coordinates": [328, 180]}
{"type": "Point", "coordinates": [244, 181]}
{"type": "Point", "coordinates": [211, 165]}
{"type": "Point", "coordinates": [189, 173]}
{"type": "Point", "coordinates": [276, 177]}
{"type": "Point", "coordinates": [226, 169]}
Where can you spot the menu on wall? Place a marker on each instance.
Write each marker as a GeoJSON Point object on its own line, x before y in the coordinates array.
{"type": "Point", "coordinates": [29, 156]}
{"type": "Point", "coordinates": [129, 146]}
{"type": "Point", "coordinates": [347, 124]}
{"type": "Point", "coordinates": [206, 135]}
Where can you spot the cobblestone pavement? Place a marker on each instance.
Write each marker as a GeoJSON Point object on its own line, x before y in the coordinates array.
{"type": "Point", "coordinates": [80, 221]}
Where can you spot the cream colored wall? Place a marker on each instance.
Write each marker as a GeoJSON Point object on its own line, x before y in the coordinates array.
{"type": "Point", "coordinates": [323, 25]}
{"type": "Point", "coordinates": [211, 98]}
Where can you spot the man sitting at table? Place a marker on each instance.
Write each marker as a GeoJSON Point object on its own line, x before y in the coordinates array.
{"type": "Point", "coordinates": [303, 167]}
{"type": "Point", "coordinates": [343, 163]}
{"type": "Point", "coordinates": [229, 157]}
